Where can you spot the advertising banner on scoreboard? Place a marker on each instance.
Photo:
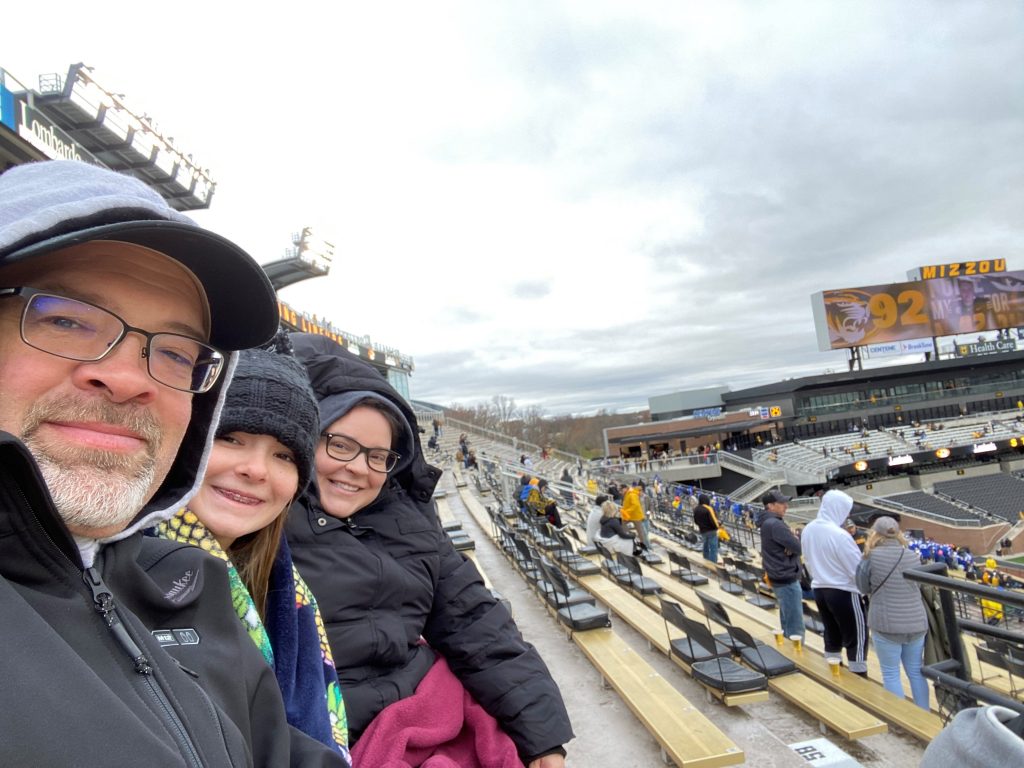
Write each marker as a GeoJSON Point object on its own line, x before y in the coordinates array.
{"type": "Point", "coordinates": [7, 108]}
{"type": "Point", "coordinates": [880, 314]}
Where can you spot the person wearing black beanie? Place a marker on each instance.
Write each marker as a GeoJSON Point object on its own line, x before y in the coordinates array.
{"type": "Point", "coordinates": [409, 619]}
{"type": "Point", "coordinates": [261, 460]}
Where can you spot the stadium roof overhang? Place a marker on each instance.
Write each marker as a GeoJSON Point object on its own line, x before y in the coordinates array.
{"type": "Point", "coordinates": [76, 118]}
{"type": "Point", "coordinates": [847, 378]}
{"type": "Point", "coordinates": [679, 429]}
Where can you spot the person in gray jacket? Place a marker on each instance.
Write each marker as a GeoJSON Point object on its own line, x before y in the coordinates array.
{"type": "Point", "coordinates": [896, 613]}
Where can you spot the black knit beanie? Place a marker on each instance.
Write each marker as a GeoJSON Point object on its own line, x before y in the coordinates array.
{"type": "Point", "coordinates": [270, 394]}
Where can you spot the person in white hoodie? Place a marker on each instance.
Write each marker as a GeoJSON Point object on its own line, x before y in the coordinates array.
{"type": "Point", "coordinates": [831, 557]}
{"type": "Point", "coordinates": [594, 519]}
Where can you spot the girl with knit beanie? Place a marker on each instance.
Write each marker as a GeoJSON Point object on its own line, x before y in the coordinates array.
{"type": "Point", "coordinates": [262, 459]}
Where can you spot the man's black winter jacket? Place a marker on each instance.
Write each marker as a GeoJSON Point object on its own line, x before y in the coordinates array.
{"type": "Point", "coordinates": [139, 660]}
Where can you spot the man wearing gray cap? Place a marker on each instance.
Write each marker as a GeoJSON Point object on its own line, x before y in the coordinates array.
{"type": "Point", "coordinates": [780, 555]}
{"type": "Point", "coordinates": [119, 322]}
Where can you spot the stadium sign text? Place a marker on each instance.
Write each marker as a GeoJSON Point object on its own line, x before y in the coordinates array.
{"type": "Point", "coordinates": [707, 413]}
{"type": "Point", "coordinates": [49, 139]}
{"type": "Point", "coordinates": [984, 448]}
{"type": "Point", "coordinates": [895, 461]}
{"type": "Point", "coordinates": [905, 347]}
{"type": "Point", "coordinates": [986, 348]}
{"type": "Point", "coordinates": [961, 269]}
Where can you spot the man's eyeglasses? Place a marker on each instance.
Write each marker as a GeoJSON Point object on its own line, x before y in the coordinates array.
{"type": "Point", "coordinates": [78, 330]}
{"type": "Point", "coordinates": [344, 448]}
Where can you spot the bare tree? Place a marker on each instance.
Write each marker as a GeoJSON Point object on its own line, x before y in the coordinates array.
{"type": "Point", "coordinates": [504, 408]}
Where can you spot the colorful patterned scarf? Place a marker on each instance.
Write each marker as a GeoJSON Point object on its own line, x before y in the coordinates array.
{"type": "Point", "coordinates": [292, 640]}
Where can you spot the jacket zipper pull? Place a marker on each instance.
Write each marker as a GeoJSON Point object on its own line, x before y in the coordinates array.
{"type": "Point", "coordinates": [103, 601]}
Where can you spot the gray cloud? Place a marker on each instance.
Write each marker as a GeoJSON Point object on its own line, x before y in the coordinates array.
{"type": "Point", "coordinates": [893, 141]}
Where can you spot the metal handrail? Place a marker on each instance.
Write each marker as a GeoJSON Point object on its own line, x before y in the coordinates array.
{"type": "Point", "coordinates": [954, 672]}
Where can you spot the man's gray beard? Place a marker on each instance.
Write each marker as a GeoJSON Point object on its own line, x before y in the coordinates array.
{"type": "Point", "coordinates": [94, 489]}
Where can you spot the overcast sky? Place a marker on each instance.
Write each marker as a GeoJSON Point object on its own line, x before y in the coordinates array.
{"type": "Point", "coordinates": [580, 204]}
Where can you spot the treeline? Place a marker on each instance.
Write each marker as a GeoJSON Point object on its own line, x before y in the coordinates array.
{"type": "Point", "coordinates": [582, 435]}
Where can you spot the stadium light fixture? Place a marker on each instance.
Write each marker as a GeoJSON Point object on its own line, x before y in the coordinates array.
{"type": "Point", "coordinates": [942, 453]}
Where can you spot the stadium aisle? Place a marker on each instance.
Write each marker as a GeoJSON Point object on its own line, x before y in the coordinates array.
{"type": "Point", "coordinates": [608, 733]}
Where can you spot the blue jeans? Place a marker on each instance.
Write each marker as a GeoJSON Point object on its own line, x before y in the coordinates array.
{"type": "Point", "coordinates": [889, 656]}
{"type": "Point", "coordinates": [711, 545]}
{"type": "Point", "coordinates": [791, 608]}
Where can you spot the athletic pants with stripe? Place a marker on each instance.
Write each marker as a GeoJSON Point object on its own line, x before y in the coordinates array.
{"type": "Point", "coordinates": [845, 626]}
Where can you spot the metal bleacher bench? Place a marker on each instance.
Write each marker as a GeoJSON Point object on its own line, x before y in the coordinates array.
{"type": "Point", "coordinates": [815, 690]}
{"type": "Point", "coordinates": [686, 736]}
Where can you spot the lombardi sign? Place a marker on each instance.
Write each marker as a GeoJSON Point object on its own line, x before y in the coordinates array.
{"type": "Point", "coordinates": [41, 133]}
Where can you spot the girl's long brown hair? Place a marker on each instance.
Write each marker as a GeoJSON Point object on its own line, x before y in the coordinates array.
{"type": "Point", "coordinates": [253, 556]}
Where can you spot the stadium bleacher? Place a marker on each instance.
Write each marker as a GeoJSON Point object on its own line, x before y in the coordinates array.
{"type": "Point", "coordinates": [926, 502]}
{"type": "Point", "coordinates": [1001, 495]}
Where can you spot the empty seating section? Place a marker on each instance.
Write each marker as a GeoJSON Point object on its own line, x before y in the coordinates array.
{"type": "Point", "coordinates": [818, 454]}
{"type": "Point", "coordinates": [1000, 494]}
{"type": "Point", "coordinates": [926, 502]}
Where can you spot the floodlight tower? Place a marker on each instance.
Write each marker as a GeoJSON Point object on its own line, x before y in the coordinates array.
{"type": "Point", "coordinates": [309, 256]}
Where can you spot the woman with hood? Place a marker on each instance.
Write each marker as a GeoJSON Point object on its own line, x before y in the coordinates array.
{"type": "Point", "coordinates": [896, 613]}
{"type": "Point", "coordinates": [261, 459]}
{"type": "Point", "coordinates": [411, 624]}
{"type": "Point", "coordinates": [831, 556]}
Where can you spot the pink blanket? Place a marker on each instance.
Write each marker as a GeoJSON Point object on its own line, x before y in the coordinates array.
{"type": "Point", "coordinates": [439, 726]}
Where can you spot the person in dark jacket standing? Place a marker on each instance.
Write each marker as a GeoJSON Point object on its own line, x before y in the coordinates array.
{"type": "Point", "coordinates": [367, 539]}
{"type": "Point", "coordinates": [780, 556]}
{"type": "Point", "coordinates": [707, 523]}
{"type": "Point", "coordinates": [118, 317]}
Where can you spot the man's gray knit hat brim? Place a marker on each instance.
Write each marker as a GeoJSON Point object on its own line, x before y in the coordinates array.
{"type": "Point", "coordinates": [55, 204]}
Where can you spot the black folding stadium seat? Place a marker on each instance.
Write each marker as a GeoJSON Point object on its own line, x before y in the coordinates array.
{"type": "Point", "coordinates": [722, 673]}
{"type": "Point", "coordinates": [579, 617]}
{"type": "Point", "coordinates": [635, 581]}
{"type": "Point", "coordinates": [763, 658]}
{"type": "Point", "coordinates": [687, 648]}
{"type": "Point", "coordinates": [683, 570]}
{"type": "Point", "coordinates": [555, 597]}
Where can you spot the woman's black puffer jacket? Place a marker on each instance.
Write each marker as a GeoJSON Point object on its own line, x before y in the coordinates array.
{"type": "Point", "coordinates": [388, 575]}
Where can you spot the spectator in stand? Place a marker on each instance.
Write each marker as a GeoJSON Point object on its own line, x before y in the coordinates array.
{"type": "Point", "coordinates": [708, 525]}
{"type": "Point", "coordinates": [613, 534]}
{"type": "Point", "coordinates": [566, 492]}
{"type": "Point", "coordinates": [614, 493]}
{"type": "Point", "coordinates": [780, 556]}
{"type": "Point", "coordinates": [632, 512]}
{"type": "Point", "coordinates": [419, 641]}
{"type": "Point", "coordinates": [832, 556]}
{"type": "Point", "coordinates": [896, 613]}
{"type": "Point", "coordinates": [119, 319]}
{"type": "Point", "coordinates": [261, 459]}
{"type": "Point", "coordinates": [594, 519]}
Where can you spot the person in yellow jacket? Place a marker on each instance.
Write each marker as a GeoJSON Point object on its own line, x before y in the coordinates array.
{"type": "Point", "coordinates": [991, 611]}
{"type": "Point", "coordinates": [632, 512]}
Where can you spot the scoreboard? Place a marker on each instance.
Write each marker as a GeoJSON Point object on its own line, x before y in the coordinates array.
{"type": "Point", "coordinates": [937, 306]}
